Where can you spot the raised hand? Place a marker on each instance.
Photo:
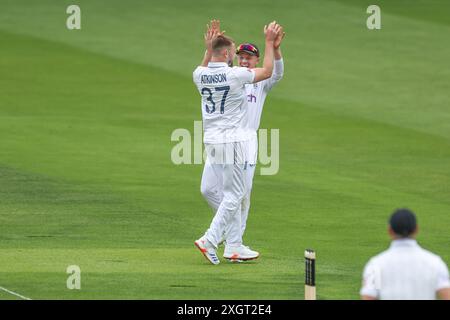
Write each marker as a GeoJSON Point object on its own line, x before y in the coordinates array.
{"type": "Point", "coordinates": [209, 36]}
{"type": "Point", "coordinates": [271, 31]}
{"type": "Point", "coordinates": [212, 32]}
{"type": "Point", "coordinates": [279, 38]}
{"type": "Point", "coordinates": [215, 25]}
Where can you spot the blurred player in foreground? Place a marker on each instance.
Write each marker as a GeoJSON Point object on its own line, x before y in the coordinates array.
{"type": "Point", "coordinates": [405, 271]}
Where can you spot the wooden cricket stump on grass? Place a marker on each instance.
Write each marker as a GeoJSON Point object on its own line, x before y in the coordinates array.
{"type": "Point", "coordinates": [310, 274]}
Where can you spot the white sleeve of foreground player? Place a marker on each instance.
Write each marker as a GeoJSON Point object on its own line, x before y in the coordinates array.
{"type": "Point", "coordinates": [443, 280]}
{"type": "Point", "coordinates": [277, 75]}
{"type": "Point", "coordinates": [371, 280]}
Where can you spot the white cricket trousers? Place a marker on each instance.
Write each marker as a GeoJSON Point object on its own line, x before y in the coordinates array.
{"type": "Point", "coordinates": [229, 160]}
{"type": "Point", "coordinates": [212, 191]}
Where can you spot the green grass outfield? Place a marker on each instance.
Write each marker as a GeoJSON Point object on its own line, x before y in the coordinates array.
{"type": "Point", "coordinates": [86, 118]}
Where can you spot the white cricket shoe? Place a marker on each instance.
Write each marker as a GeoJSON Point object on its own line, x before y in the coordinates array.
{"type": "Point", "coordinates": [239, 253]}
{"type": "Point", "coordinates": [207, 249]}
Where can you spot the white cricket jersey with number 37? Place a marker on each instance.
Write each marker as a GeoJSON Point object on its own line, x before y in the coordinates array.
{"type": "Point", "coordinates": [224, 102]}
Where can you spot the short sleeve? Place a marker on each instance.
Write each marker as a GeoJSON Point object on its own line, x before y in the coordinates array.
{"type": "Point", "coordinates": [196, 74]}
{"type": "Point", "coordinates": [244, 75]}
{"type": "Point", "coordinates": [442, 276]}
{"type": "Point", "coordinates": [371, 280]}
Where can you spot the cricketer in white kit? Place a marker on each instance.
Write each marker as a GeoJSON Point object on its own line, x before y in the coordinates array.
{"type": "Point", "coordinates": [405, 271]}
{"type": "Point", "coordinates": [226, 135]}
{"type": "Point", "coordinates": [211, 185]}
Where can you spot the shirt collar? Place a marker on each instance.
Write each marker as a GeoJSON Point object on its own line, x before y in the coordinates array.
{"type": "Point", "coordinates": [402, 243]}
{"type": "Point", "coordinates": [217, 64]}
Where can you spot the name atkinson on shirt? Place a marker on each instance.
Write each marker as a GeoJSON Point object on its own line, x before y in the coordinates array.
{"type": "Point", "coordinates": [215, 78]}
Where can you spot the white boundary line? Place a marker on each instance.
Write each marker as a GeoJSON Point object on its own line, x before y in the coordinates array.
{"type": "Point", "coordinates": [14, 293]}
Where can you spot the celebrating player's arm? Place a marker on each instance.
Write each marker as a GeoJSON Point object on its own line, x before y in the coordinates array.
{"type": "Point", "coordinates": [212, 32]}
{"type": "Point", "coordinates": [278, 67]}
{"type": "Point", "coordinates": [271, 33]}
{"type": "Point", "coordinates": [277, 44]}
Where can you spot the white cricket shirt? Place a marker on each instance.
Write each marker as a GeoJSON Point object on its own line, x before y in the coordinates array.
{"type": "Point", "coordinates": [405, 272]}
{"type": "Point", "coordinates": [257, 93]}
{"type": "Point", "coordinates": [224, 102]}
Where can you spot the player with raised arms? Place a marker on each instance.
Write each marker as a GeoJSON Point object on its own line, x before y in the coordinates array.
{"type": "Point", "coordinates": [227, 136]}
{"type": "Point", "coordinates": [248, 56]}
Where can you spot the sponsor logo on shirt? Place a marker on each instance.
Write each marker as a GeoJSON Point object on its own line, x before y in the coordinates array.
{"type": "Point", "coordinates": [251, 98]}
